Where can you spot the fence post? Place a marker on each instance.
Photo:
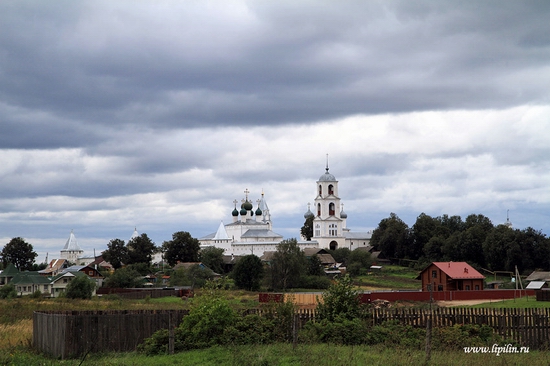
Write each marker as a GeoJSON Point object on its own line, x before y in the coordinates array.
{"type": "Point", "coordinates": [170, 333]}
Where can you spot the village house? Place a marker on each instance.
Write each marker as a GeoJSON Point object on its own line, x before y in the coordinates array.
{"type": "Point", "coordinates": [450, 276]}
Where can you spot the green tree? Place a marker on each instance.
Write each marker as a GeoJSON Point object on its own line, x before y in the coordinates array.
{"type": "Point", "coordinates": [307, 229]}
{"type": "Point", "coordinates": [182, 248]}
{"type": "Point", "coordinates": [80, 287]}
{"type": "Point", "coordinates": [126, 277]}
{"type": "Point", "coordinates": [340, 301]}
{"type": "Point", "coordinates": [358, 262]}
{"type": "Point", "coordinates": [288, 265]}
{"type": "Point", "coordinates": [499, 244]}
{"type": "Point", "coordinates": [212, 258]}
{"type": "Point", "coordinates": [314, 266]}
{"type": "Point", "coordinates": [340, 255]}
{"type": "Point", "coordinates": [141, 250]}
{"type": "Point", "coordinates": [392, 237]}
{"type": "Point", "coordinates": [20, 253]}
{"type": "Point", "coordinates": [116, 253]}
{"type": "Point", "coordinates": [248, 273]}
{"type": "Point", "coordinates": [194, 276]}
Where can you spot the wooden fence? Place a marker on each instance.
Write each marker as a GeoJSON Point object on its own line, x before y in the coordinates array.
{"type": "Point", "coordinates": [66, 334]}
{"type": "Point", "coordinates": [528, 327]}
{"type": "Point", "coordinates": [74, 333]}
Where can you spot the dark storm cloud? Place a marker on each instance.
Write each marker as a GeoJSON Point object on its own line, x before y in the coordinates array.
{"type": "Point", "coordinates": [168, 65]}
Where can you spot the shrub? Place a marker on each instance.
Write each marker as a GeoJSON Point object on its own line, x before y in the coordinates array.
{"type": "Point", "coordinates": [340, 300]}
{"type": "Point", "coordinates": [80, 287]}
{"type": "Point", "coordinates": [315, 282]}
{"type": "Point", "coordinates": [8, 292]}
{"type": "Point", "coordinates": [341, 331]}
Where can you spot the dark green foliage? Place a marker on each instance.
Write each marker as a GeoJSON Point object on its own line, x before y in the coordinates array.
{"type": "Point", "coordinates": [359, 262]}
{"type": "Point", "coordinates": [394, 335]}
{"type": "Point", "coordinates": [248, 273]}
{"type": "Point", "coordinates": [80, 287]}
{"type": "Point", "coordinates": [36, 295]}
{"type": "Point", "coordinates": [124, 278]}
{"type": "Point", "coordinates": [459, 336]}
{"type": "Point", "coordinates": [287, 266]}
{"type": "Point", "coordinates": [182, 248]}
{"type": "Point", "coordinates": [340, 301]}
{"type": "Point", "coordinates": [307, 229]}
{"type": "Point", "coordinates": [341, 331]}
{"type": "Point", "coordinates": [20, 253]}
{"type": "Point", "coordinates": [141, 250]}
{"type": "Point", "coordinates": [393, 237]}
{"type": "Point", "coordinates": [116, 253]}
{"type": "Point", "coordinates": [251, 329]}
{"type": "Point", "coordinates": [315, 282]}
{"type": "Point", "coordinates": [314, 266]}
{"type": "Point", "coordinates": [340, 255]}
{"type": "Point", "coordinates": [212, 257]}
{"type": "Point", "coordinates": [194, 276]}
{"type": "Point", "coordinates": [8, 292]}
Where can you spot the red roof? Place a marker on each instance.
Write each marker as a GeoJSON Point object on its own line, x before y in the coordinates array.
{"type": "Point", "coordinates": [458, 270]}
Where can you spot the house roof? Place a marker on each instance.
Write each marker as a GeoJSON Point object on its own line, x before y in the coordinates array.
{"type": "Point", "coordinates": [308, 252]}
{"type": "Point", "coordinates": [28, 278]}
{"type": "Point", "coordinates": [326, 259]}
{"type": "Point", "coordinates": [535, 285]}
{"type": "Point", "coordinates": [457, 270]}
{"type": "Point", "coordinates": [9, 271]}
{"type": "Point", "coordinates": [539, 276]}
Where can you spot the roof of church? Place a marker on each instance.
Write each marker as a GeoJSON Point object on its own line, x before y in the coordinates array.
{"type": "Point", "coordinates": [72, 244]}
{"type": "Point", "coordinates": [221, 234]}
{"type": "Point", "coordinates": [327, 177]}
{"type": "Point", "coordinates": [357, 235]}
{"type": "Point", "coordinates": [260, 233]}
{"type": "Point", "coordinates": [135, 234]}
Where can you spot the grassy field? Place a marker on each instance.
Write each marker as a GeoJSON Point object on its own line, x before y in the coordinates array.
{"type": "Point", "coordinates": [524, 302]}
{"type": "Point", "coordinates": [285, 354]}
{"type": "Point", "coordinates": [390, 278]}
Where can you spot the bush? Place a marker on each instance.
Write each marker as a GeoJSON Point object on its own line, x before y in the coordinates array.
{"type": "Point", "coordinates": [340, 300]}
{"type": "Point", "coordinates": [341, 331]}
{"type": "Point", "coordinates": [8, 292]}
{"type": "Point", "coordinates": [395, 335]}
{"type": "Point", "coordinates": [315, 282]}
{"type": "Point", "coordinates": [36, 295]}
{"type": "Point", "coordinates": [80, 287]}
{"type": "Point", "coordinates": [251, 329]}
{"type": "Point", "coordinates": [463, 335]}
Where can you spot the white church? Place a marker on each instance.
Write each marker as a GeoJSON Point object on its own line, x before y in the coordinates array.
{"type": "Point", "coordinates": [251, 230]}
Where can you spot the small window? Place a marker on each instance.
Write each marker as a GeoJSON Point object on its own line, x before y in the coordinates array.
{"type": "Point", "coordinates": [429, 287]}
{"type": "Point", "coordinates": [477, 287]}
{"type": "Point", "coordinates": [439, 287]}
{"type": "Point", "coordinates": [434, 273]}
{"type": "Point", "coordinates": [467, 287]}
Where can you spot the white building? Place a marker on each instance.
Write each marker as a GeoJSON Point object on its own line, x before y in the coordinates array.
{"type": "Point", "coordinates": [71, 251]}
{"type": "Point", "coordinates": [329, 223]}
{"type": "Point", "coordinates": [250, 231]}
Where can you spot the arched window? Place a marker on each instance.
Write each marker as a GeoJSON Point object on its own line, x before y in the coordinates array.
{"type": "Point", "coordinates": [320, 190]}
{"type": "Point", "coordinates": [318, 209]}
{"type": "Point", "coordinates": [333, 245]}
{"type": "Point", "coordinates": [317, 230]}
{"type": "Point", "coordinates": [331, 189]}
{"type": "Point", "coordinates": [331, 210]}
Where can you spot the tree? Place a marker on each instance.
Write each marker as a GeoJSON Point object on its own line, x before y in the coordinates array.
{"type": "Point", "coordinates": [341, 300]}
{"type": "Point", "coordinates": [8, 292]}
{"type": "Point", "coordinates": [314, 266]}
{"type": "Point", "coordinates": [182, 248]}
{"type": "Point", "coordinates": [19, 253]}
{"type": "Point", "coordinates": [307, 229]}
{"type": "Point", "coordinates": [359, 261]}
{"type": "Point", "coordinates": [248, 273]}
{"type": "Point", "coordinates": [141, 250]}
{"type": "Point", "coordinates": [80, 287]}
{"type": "Point", "coordinates": [194, 276]}
{"type": "Point", "coordinates": [126, 277]}
{"type": "Point", "coordinates": [212, 258]}
{"type": "Point", "coordinates": [391, 237]}
{"type": "Point", "coordinates": [116, 253]}
{"type": "Point", "coordinates": [288, 265]}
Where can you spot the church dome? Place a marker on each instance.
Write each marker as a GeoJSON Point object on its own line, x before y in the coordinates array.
{"type": "Point", "coordinates": [343, 215]}
{"type": "Point", "coordinates": [258, 212]}
{"type": "Point", "coordinates": [327, 177]}
{"type": "Point", "coordinates": [243, 211]}
{"type": "Point", "coordinates": [308, 214]}
{"type": "Point", "coordinates": [247, 205]}
{"type": "Point", "coordinates": [235, 212]}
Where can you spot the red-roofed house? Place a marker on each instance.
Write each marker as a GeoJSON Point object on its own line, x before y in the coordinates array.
{"type": "Point", "coordinates": [451, 276]}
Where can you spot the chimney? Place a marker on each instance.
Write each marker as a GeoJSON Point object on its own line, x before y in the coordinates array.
{"type": "Point", "coordinates": [465, 270]}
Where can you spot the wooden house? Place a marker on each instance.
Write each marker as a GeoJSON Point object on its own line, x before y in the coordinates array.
{"type": "Point", "coordinates": [450, 276]}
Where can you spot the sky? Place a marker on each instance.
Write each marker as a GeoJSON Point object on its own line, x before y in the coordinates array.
{"type": "Point", "coordinates": [157, 115]}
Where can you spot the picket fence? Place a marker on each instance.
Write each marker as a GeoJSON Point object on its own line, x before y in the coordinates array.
{"type": "Point", "coordinates": [72, 333]}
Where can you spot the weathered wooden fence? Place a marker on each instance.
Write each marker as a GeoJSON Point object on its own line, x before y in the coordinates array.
{"type": "Point", "coordinates": [65, 334]}
{"type": "Point", "coordinates": [72, 333]}
{"type": "Point", "coordinates": [529, 327]}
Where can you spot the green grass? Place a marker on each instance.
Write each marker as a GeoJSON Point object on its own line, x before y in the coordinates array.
{"type": "Point", "coordinates": [285, 354]}
{"type": "Point", "coordinates": [391, 277]}
{"type": "Point", "coordinates": [520, 303]}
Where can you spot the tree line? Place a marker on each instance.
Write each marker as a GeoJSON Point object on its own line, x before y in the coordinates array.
{"type": "Point", "coordinates": [474, 240]}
